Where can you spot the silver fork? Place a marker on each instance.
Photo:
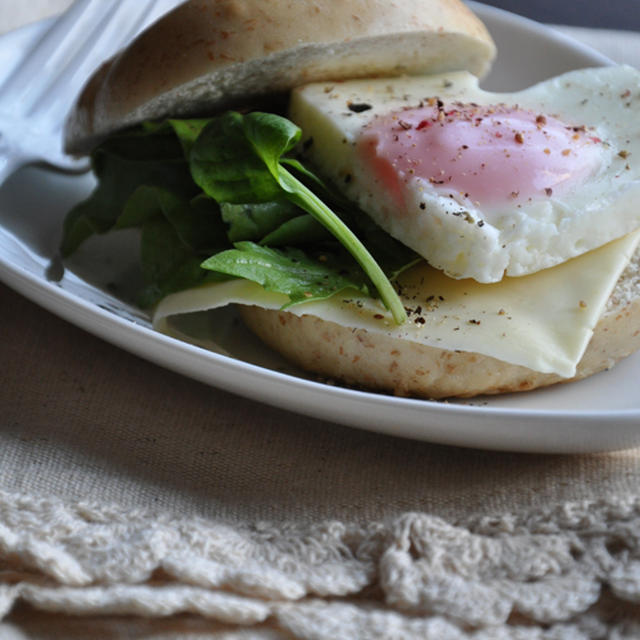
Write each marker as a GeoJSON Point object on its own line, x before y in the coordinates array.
{"type": "Point", "coordinates": [37, 95]}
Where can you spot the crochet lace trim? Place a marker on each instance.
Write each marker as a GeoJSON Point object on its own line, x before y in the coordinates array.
{"type": "Point", "coordinates": [570, 571]}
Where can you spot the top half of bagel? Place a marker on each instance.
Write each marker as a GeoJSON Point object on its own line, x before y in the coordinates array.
{"type": "Point", "coordinates": [207, 55]}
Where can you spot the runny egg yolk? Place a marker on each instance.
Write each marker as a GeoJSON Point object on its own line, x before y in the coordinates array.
{"type": "Point", "coordinates": [491, 155]}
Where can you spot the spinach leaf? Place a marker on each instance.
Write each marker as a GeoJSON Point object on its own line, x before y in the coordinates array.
{"type": "Point", "coordinates": [167, 264]}
{"type": "Point", "coordinates": [188, 131]}
{"type": "Point", "coordinates": [224, 164]}
{"type": "Point", "coordinates": [176, 235]}
{"type": "Point", "coordinates": [237, 159]}
{"type": "Point", "coordinates": [288, 271]}
{"type": "Point", "coordinates": [122, 164]}
{"type": "Point", "coordinates": [392, 255]}
{"type": "Point", "coordinates": [301, 230]}
{"type": "Point", "coordinates": [254, 221]}
{"type": "Point", "coordinates": [195, 187]}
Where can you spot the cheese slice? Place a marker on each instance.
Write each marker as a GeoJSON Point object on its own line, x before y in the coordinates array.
{"type": "Point", "coordinates": [543, 321]}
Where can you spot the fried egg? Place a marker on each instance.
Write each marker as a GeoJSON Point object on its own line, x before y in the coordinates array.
{"type": "Point", "coordinates": [482, 184]}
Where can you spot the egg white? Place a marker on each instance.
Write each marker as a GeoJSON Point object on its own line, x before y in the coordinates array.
{"type": "Point", "coordinates": [513, 239]}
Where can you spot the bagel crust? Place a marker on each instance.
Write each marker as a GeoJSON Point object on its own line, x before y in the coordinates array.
{"type": "Point", "coordinates": [404, 368]}
{"type": "Point", "coordinates": [211, 54]}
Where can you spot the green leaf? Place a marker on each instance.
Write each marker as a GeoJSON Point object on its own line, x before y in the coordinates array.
{"type": "Point", "coordinates": [161, 251]}
{"type": "Point", "coordinates": [207, 229]}
{"type": "Point", "coordinates": [287, 271]}
{"type": "Point", "coordinates": [176, 235]}
{"type": "Point", "coordinates": [83, 221]}
{"type": "Point", "coordinates": [185, 275]}
{"type": "Point", "coordinates": [238, 184]}
{"type": "Point", "coordinates": [307, 200]}
{"type": "Point", "coordinates": [188, 131]}
{"type": "Point", "coordinates": [236, 159]}
{"type": "Point", "coordinates": [301, 230]}
{"type": "Point", "coordinates": [152, 144]}
{"type": "Point", "coordinates": [393, 256]}
{"type": "Point", "coordinates": [253, 221]}
{"type": "Point", "coordinates": [226, 167]}
{"type": "Point", "coordinates": [143, 205]}
{"type": "Point", "coordinates": [168, 265]}
{"type": "Point", "coordinates": [122, 164]}
{"type": "Point", "coordinates": [197, 223]}
{"type": "Point", "coordinates": [271, 136]}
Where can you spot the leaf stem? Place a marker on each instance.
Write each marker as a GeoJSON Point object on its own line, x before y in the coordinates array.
{"type": "Point", "coordinates": [298, 193]}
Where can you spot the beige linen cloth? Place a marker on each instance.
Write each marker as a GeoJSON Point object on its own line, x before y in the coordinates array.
{"type": "Point", "coordinates": [136, 503]}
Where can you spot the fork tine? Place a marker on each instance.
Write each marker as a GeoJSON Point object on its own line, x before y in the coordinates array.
{"type": "Point", "coordinates": [120, 25]}
{"type": "Point", "coordinates": [37, 92]}
{"type": "Point", "coordinates": [47, 49]}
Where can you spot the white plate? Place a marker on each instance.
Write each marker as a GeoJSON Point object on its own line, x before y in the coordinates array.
{"type": "Point", "coordinates": [601, 413]}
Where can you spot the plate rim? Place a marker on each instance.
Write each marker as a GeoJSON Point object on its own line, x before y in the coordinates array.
{"type": "Point", "coordinates": [121, 332]}
{"type": "Point", "coordinates": [41, 292]}
{"type": "Point", "coordinates": [496, 13]}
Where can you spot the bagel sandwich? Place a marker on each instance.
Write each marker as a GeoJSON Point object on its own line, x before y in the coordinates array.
{"type": "Point", "coordinates": [335, 170]}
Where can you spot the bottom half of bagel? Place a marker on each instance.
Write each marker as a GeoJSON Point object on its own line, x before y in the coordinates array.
{"type": "Point", "coordinates": [394, 365]}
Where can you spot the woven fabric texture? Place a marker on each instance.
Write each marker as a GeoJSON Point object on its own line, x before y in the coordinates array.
{"type": "Point", "coordinates": [135, 503]}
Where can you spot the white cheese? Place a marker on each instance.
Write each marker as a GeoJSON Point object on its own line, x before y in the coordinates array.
{"type": "Point", "coordinates": [543, 321]}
